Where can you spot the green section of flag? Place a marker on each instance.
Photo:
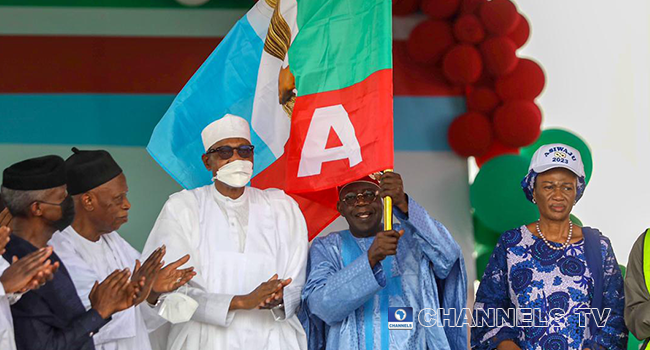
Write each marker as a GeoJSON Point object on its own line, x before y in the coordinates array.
{"type": "Point", "coordinates": [340, 43]}
{"type": "Point", "coordinates": [130, 3]}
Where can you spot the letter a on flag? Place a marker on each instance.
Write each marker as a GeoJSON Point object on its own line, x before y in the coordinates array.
{"type": "Point", "coordinates": [314, 80]}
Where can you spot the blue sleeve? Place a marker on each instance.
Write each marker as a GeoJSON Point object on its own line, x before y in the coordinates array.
{"type": "Point", "coordinates": [492, 294]}
{"type": "Point", "coordinates": [36, 333]}
{"type": "Point", "coordinates": [435, 241]}
{"type": "Point", "coordinates": [333, 292]}
{"type": "Point", "coordinates": [614, 333]}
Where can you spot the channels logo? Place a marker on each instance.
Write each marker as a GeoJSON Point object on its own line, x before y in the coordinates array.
{"type": "Point", "coordinates": [400, 318]}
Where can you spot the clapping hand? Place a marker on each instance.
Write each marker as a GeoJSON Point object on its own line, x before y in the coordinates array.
{"type": "Point", "coordinates": [258, 297]}
{"type": "Point", "coordinates": [114, 294]}
{"type": "Point", "coordinates": [5, 233]}
{"type": "Point", "coordinates": [147, 273]}
{"type": "Point", "coordinates": [171, 278]}
{"type": "Point", "coordinates": [5, 217]}
{"type": "Point", "coordinates": [30, 272]}
{"type": "Point", "coordinates": [277, 298]}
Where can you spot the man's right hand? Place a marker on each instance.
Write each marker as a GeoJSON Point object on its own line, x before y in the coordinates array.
{"type": "Point", "coordinates": [29, 272]}
{"type": "Point", "coordinates": [5, 232]}
{"type": "Point", "coordinates": [5, 217]}
{"type": "Point", "coordinates": [385, 244]}
{"type": "Point", "coordinates": [114, 294]}
{"type": "Point", "coordinates": [258, 297]}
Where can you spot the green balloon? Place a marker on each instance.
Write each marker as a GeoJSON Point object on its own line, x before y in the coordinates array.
{"type": "Point", "coordinates": [483, 234]}
{"type": "Point", "coordinates": [574, 219]}
{"type": "Point", "coordinates": [483, 254]}
{"type": "Point", "coordinates": [566, 137]}
{"type": "Point", "coordinates": [497, 197]}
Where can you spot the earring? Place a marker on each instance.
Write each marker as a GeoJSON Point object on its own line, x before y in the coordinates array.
{"type": "Point", "coordinates": [534, 201]}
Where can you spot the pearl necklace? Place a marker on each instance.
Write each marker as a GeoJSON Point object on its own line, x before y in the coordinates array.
{"type": "Point", "coordinates": [564, 245]}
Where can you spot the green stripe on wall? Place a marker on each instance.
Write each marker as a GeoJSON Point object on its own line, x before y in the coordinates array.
{"type": "Point", "coordinates": [340, 43]}
{"type": "Point", "coordinates": [236, 4]}
{"type": "Point", "coordinates": [18, 20]}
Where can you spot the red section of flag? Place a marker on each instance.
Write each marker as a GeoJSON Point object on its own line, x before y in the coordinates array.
{"type": "Point", "coordinates": [369, 106]}
{"type": "Point", "coordinates": [145, 65]}
{"type": "Point", "coordinates": [318, 208]}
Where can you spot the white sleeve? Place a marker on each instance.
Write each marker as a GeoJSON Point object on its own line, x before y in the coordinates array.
{"type": "Point", "coordinates": [177, 228]}
{"type": "Point", "coordinates": [291, 224]}
{"type": "Point", "coordinates": [6, 324]}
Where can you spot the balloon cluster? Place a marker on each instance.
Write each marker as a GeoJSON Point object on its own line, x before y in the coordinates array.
{"type": "Point", "coordinates": [474, 43]}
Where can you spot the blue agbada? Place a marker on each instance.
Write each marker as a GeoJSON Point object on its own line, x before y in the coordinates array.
{"type": "Point", "coordinates": [345, 301]}
{"type": "Point", "coordinates": [51, 317]}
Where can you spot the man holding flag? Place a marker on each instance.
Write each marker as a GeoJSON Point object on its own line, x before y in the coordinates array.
{"type": "Point", "coordinates": [249, 247]}
{"type": "Point", "coordinates": [357, 274]}
{"type": "Point", "coordinates": [313, 79]}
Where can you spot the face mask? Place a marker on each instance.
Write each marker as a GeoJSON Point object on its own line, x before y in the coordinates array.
{"type": "Point", "coordinates": [177, 308]}
{"type": "Point", "coordinates": [235, 174]}
{"type": "Point", "coordinates": [67, 216]}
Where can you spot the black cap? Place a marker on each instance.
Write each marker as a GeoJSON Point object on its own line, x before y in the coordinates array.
{"type": "Point", "coordinates": [89, 169]}
{"type": "Point", "coordinates": [35, 174]}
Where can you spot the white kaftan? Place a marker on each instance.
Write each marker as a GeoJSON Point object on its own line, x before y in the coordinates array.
{"type": "Point", "coordinates": [230, 262]}
{"type": "Point", "coordinates": [6, 324]}
{"type": "Point", "coordinates": [87, 262]}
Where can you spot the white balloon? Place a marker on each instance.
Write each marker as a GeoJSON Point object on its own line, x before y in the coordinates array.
{"type": "Point", "coordinates": [192, 2]}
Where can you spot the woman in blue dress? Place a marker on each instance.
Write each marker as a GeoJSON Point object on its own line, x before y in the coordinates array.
{"type": "Point", "coordinates": [551, 284]}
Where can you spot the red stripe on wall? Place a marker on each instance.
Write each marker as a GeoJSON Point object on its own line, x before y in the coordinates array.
{"type": "Point", "coordinates": [80, 64]}
{"type": "Point", "coordinates": [41, 64]}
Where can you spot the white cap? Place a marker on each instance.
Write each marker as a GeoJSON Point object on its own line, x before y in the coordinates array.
{"type": "Point", "coordinates": [230, 126]}
{"type": "Point", "coordinates": [557, 155]}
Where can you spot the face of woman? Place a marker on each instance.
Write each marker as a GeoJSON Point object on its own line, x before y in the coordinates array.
{"type": "Point", "coordinates": [555, 193]}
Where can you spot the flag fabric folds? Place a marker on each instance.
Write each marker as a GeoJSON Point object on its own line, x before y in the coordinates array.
{"type": "Point", "coordinates": [314, 80]}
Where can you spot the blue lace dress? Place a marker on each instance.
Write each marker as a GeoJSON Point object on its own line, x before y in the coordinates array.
{"type": "Point", "coordinates": [549, 294]}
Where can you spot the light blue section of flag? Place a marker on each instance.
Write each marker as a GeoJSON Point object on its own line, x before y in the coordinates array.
{"type": "Point", "coordinates": [225, 83]}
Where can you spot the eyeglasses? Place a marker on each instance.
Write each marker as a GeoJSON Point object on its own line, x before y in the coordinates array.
{"type": "Point", "coordinates": [226, 152]}
{"type": "Point", "coordinates": [368, 196]}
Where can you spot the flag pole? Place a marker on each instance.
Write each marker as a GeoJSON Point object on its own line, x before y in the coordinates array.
{"type": "Point", "coordinates": [388, 210]}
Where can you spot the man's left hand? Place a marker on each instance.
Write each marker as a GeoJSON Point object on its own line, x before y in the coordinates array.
{"type": "Point", "coordinates": [391, 185]}
{"type": "Point", "coordinates": [145, 275]}
{"type": "Point", "coordinates": [171, 278]}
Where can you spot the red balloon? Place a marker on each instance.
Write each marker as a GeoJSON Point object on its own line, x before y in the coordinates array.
{"type": "Point", "coordinates": [470, 134]}
{"type": "Point", "coordinates": [524, 83]}
{"type": "Point", "coordinates": [499, 16]}
{"type": "Point", "coordinates": [470, 6]}
{"type": "Point", "coordinates": [495, 150]}
{"type": "Point", "coordinates": [468, 29]}
{"type": "Point", "coordinates": [405, 7]}
{"type": "Point", "coordinates": [499, 55]}
{"type": "Point", "coordinates": [521, 33]}
{"type": "Point", "coordinates": [482, 100]}
{"type": "Point", "coordinates": [440, 9]}
{"type": "Point", "coordinates": [462, 64]}
{"type": "Point", "coordinates": [517, 123]}
{"type": "Point", "coordinates": [429, 40]}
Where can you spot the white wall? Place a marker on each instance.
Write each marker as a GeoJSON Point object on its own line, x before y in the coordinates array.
{"type": "Point", "coordinates": [596, 55]}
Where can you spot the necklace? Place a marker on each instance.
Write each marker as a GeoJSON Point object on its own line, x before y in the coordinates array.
{"type": "Point", "coordinates": [564, 245]}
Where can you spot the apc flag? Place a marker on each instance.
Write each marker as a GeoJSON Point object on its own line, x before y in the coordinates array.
{"type": "Point", "coordinates": [314, 80]}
